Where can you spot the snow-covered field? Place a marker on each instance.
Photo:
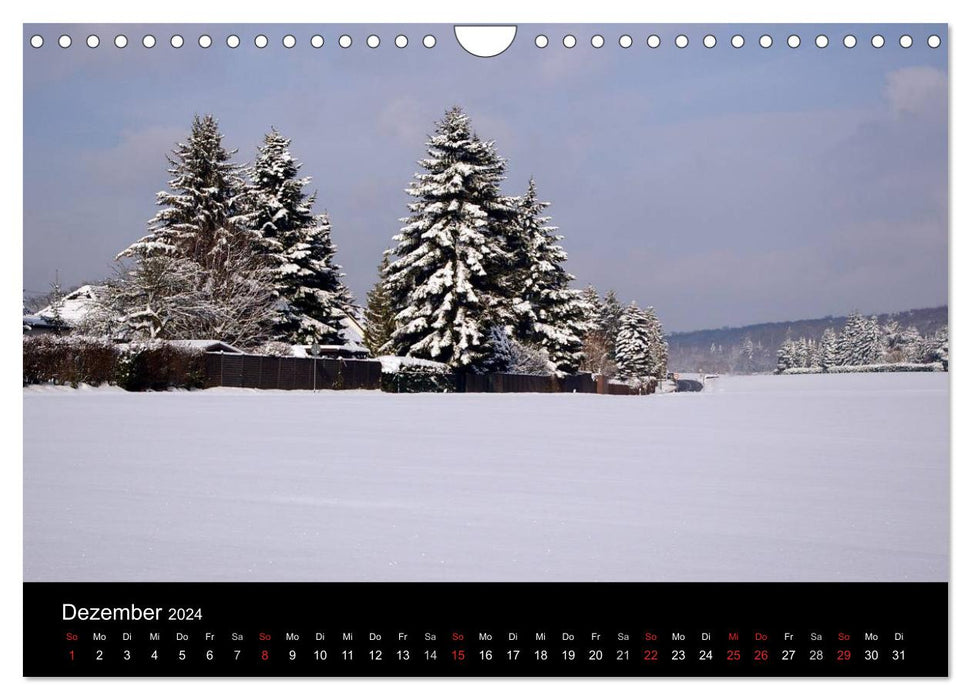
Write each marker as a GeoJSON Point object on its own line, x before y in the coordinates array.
{"type": "Point", "coordinates": [756, 479]}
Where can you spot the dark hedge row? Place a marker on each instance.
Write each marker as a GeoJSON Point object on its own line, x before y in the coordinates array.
{"type": "Point", "coordinates": [415, 379]}
{"type": "Point", "coordinates": [76, 360]}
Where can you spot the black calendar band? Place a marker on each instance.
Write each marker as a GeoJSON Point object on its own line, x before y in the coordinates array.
{"type": "Point", "coordinates": [485, 629]}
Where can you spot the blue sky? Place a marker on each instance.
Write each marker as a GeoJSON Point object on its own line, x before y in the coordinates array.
{"type": "Point", "coordinates": [724, 186]}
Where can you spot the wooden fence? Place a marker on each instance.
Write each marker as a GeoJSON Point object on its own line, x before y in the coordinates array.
{"type": "Point", "coordinates": [500, 383]}
{"type": "Point", "coordinates": [264, 372]}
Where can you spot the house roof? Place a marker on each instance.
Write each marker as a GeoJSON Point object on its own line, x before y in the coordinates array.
{"type": "Point", "coordinates": [207, 345]}
{"type": "Point", "coordinates": [74, 306]}
{"type": "Point", "coordinates": [353, 323]}
{"type": "Point", "coordinates": [302, 350]}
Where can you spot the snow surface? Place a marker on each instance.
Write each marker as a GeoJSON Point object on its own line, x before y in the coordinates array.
{"type": "Point", "coordinates": [764, 478]}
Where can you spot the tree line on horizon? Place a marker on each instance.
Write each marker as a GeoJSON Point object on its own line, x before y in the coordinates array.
{"type": "Point", "coordinates": [864, 341]}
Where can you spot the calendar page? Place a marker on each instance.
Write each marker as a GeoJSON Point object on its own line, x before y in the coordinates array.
{"type": "Point", "coordinates": [467, 350]}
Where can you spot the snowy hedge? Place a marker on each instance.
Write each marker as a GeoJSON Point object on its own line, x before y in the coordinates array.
{"type": "Point", "coordinates": [76, 360]}
{"type": "Point", "coordinates": [52, 359]}
{"type": "Point", "coordinates": [157, 366]}
{"type": "Point", "coordinates": [413, 378]}
{"type": "Point", "coordinates": [883, 367]}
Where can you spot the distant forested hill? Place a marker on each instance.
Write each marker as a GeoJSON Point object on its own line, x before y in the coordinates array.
{"type": "Point", "coordinates": [753, 348]}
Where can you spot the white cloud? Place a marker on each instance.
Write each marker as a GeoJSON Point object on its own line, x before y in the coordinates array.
{"type": "Point", "coordinates": [918, 90]}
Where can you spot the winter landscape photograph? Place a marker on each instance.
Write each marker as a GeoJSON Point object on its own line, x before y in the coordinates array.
{"type": "Point", "coordinates": [319, 303]}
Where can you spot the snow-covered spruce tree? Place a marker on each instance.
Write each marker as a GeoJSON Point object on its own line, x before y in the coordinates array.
{"type": "Point", "coordinates": [55, 318]}
{"type": "Point", "coordinates": [549, 314]}
{"type": "Point", "coordinates": [296, 243]}
{"type": "Point", "coordinates": [657, 344]}
{"type": "Point", "coordinates": [515, 357]}
{"type": "Point", "coordinates": [846, 339]}
{"type": "Point", "coordinates": [610, 312]}
{"type": "Point", "coordinates": [802, 352]}
{"type": "Point", "coordinates": [634, 345]}
{"type": "Point", "coordinates": [593, 306]}
{"type": "Point", "coordinates": [828, 356]}
{"type": "Point", "coordinates": [200, 218]}
{"type": "Point", "coordinates": [937, 347]}
{"type": "Point", "coordinates": [872, 344]}
{"type": "Point", "coordinates": [746, 356]}
{"type": "Point", "coordinates": [812, 353]}
{"type": "Point", "coordinates": [860, 342]}
{"type": "Point", "coordinates": [378, 314]}
{"type": "Point", "coordinates": [786, 357]}
{"type": "Point", "coordinates": [910, 344]}
{"type": "Point", "coordinates": [446, 281]}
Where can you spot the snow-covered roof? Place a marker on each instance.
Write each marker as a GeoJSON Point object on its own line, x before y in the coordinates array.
{"type": "Point", "coordinates": [207, 345]}
{"type": "Point", "coordinates": [353, 323]}
{"type": "Point", "coordinates": [349, 347]}
{"type": "Point", "coordinates": [74, 305]}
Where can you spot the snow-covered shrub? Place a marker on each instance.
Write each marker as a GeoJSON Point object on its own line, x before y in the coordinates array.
{"type": "Point", "coordinates": [68, 359]}
{"type": "Point", "coordinates": [415, 378]}
{"type": "Point", "coordinates": [157, 365]}
{"type": "Point", "coordinates": [886, 367]}
{"type": "Point", "coordinates": [274, 348]}
{"type": "Point", "coordinates": [882, 367]}
{"type": "Point", "coordinates": [514, 357]}
{"type": "Point", "coordinates": [642, 385]}
{"type": "Point", "coordinates": [806, 370]}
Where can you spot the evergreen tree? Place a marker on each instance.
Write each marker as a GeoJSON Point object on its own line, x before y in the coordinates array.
{"type": "Point", "coordinates": [511, 355]}
{"type": "Point", "coordinates": [195, 274]}
{"type": "Point", "coordinates": [812, 353]}
{"type": "Point", "coordinates": [634, 359]}
{"type": "Point", "coordinates": [593, 305]}
{"type": "Point", "coordinates": [910, 344]}
{"type": "Point", "coordinates": [311, 299]}
{"type": "Point", "coordinates": [787, 356]}
{"type": "Point", "coordinates": [56, 306]}
{"type": "Point", "coordinates": [859, 343]}
{"type": "Point", "coordinates": [943, 346]}
{"type": "Point", "coordinates": [446, 281]}
{"type": "Point", "coordinates": [200, 218]}
{"type": "Point", "coordinates": [549, 314]}
{"type": "Point", "coordinates": [657, 344]}
{"type": "Point", "coordinates": [610, 312]}
{"type": "Point", "coordinates": [828, 356]}
{"type": "Point", "coordinates": [872, 341]}
{"type": "Point", "coordinates": [802, 353]}
{"type": "Point", "coordinates": [937, 347]}
{"type": "Point", "coordinates": [378, 315]}
{"type": "Point", "coordinates": [746, 354]}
